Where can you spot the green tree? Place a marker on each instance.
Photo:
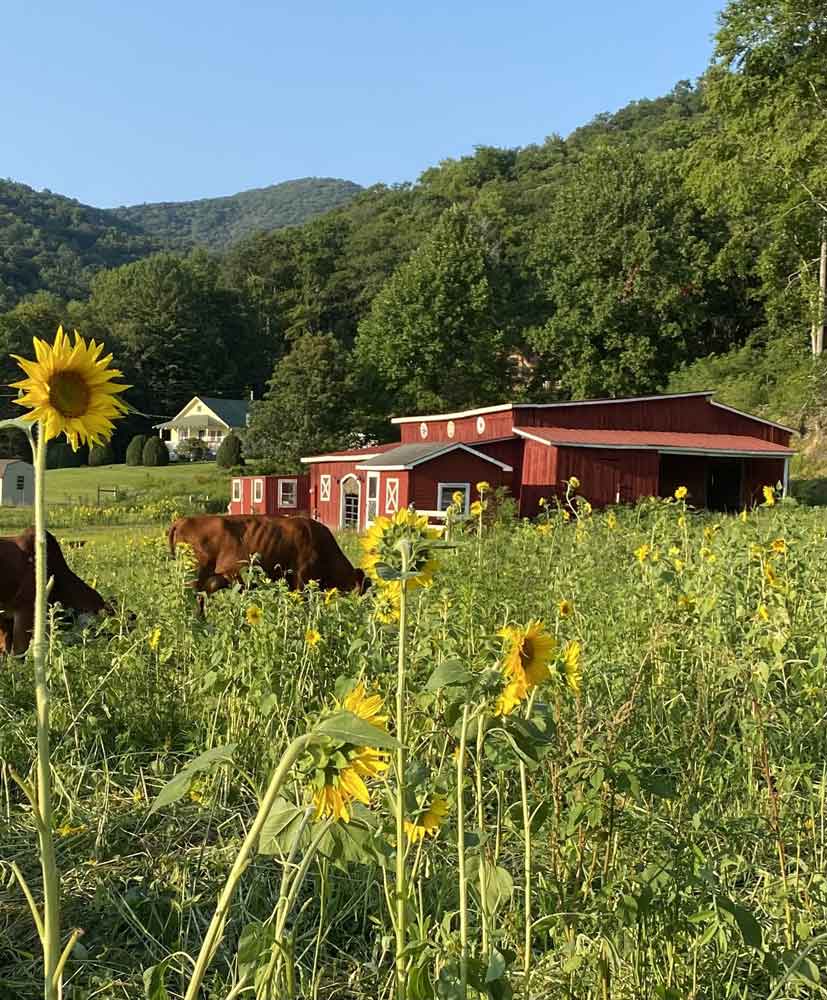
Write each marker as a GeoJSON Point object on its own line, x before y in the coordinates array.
{"type": "Point", "coordinates": [624, 260]}
{"type": "Point", "coordinates": [101, 454]}
{"type": "Point", "coordinates": [230, 453]}
{"type": "Point", "coordinates": [38, 316]}
{"type": "Point", "coordinates": [763, 155]}
{"type": "Point", "coordinates": [155, 452]}
{"type": "Point", "coordinates": [432, 333]}
{"type": "Point", "coordinates": [308, 407]}
{"type": "Point", "coordinates": [135, 450]}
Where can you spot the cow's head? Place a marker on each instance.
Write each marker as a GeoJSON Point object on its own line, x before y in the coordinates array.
{"type": "Point", "coordinates": [362, 582]}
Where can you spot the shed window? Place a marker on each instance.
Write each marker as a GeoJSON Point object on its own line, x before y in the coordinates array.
{"type": "Point", "coordinates": [391, 496]}
{"type": "Point", "coordinates": [287, 493]}
{"type": "Point", "coordinates": [21, 482]}
{"type": "Point", "coordinates": [258, 490]}
{"type": "Point", "coordinates": [236, 490]}
{"type": "Point", "coordinates": [324, 488]}
{"type": "Point", "coordinates": [446, 491]}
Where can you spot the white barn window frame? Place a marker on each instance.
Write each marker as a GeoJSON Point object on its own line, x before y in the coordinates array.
{"type": "Point", "coordinates": [446, 491]}
{"type": "Point", "coordinates": [324, 488]}
{"type": "Point", "coordinates": [236, 491]}
{"type": "Point", "coordinates": [391, 496]}
{"type": "Point", "coordinates": [258, 490]}
{"type": "Point", "coordinates": [288, 492]}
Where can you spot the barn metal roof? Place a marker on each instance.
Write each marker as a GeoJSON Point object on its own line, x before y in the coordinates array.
{"type": "Point", "coordinates": [406, 456]}
{"type": "Point", "coordinates": [663, 441]}
{"type": "Point", "coordinates": [351, 454]}
{"type": "Point", "coordinates": [6, 462]}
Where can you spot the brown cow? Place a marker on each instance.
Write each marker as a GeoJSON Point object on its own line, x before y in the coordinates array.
{"type": "Point", "coordinates": [17, 588]}
{"type": "Point", "coordinates": [297, 549]}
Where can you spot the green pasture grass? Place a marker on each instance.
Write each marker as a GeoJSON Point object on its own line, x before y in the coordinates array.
{"type": "Point", "coordinates": [679, 812]}
{"type": "Point", "coordinates": [204, 478]}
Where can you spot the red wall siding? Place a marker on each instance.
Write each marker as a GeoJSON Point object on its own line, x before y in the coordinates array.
{"type": "Point", "coordinates": [459, 467]}
{"type": "Point", "coordinates": [465, 429]}
{"type": "Point", "coordinates": [329, 512]}
{"type": "Point", "coordinates": [539, 474]}
{"type": "Point", "coordinates": [269, 503]}
{"type": "Point", "coordinates": [695, 413]}
{"type": "Point", "coordinates": [605, 473]}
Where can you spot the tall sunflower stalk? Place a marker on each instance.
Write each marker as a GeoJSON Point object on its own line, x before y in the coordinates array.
{"type": "Point", "coordinates": [398, 557]}
{"type": "Point", "coordinates": [69, 389]}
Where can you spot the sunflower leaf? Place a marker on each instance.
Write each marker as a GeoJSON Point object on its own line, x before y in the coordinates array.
{"type": "Point", "coordinates": [349, 728]}
{"type": "Point", "coordinates": [177, 786]}
{"type": "Point", "coordinates": [451, 673]}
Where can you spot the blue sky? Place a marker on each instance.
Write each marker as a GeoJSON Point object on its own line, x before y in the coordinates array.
{"type": "Point", "coordinates": [122, 102]}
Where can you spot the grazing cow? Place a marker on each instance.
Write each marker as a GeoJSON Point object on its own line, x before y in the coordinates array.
{"type": "Point", "coordinates": [17, 589]}
{"type": "Point", "coordinates": [297, 549]}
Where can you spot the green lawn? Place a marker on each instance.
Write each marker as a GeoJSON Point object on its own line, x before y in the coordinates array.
{"type": "Point", "coordinates": [81, 485]}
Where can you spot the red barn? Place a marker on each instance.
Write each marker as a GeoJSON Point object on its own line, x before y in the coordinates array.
{"type": "Point", "coordinates": [619, 449]}
{"type": "Point", "coordinates": [270, 495]}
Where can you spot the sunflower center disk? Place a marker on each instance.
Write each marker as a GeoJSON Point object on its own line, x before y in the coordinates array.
{"type": "Point", "coordinates": [69, 394]}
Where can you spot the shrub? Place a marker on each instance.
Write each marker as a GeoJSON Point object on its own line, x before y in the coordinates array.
{"type": "Point", "coordinates": [101, 454]}
{"type": "Point", "coordinates": [135, 451]}
{"type": "Point", "coordinates": [59, 455]}
{"type": "Point", "coordinates": [192, 450]}
{"type": "Point", "coordinates": [229, 454]}
{"type": "Point", "coordinates": [155, 452]}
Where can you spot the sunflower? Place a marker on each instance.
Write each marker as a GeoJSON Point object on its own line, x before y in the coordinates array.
{"type": "Point", "coordinates": [762, 614]}
{"type": "Point", "coordinates": [342, 784]}
{"type": "Point", "coordinates": [380, 545]}
{"type": "Point", "coordinates": [483, 487]}
{"type": "Point", "coordinates": [681, 492]}
{"type": "Point", "coordinates": [458, 499]}
{"type": "Point", "coordinates": [769, 496]}
{"type": "Point", "coordinates": [779, 546]}
{"type": "Point", "coordinates": [312, 637]}
{"type": "Point", "coordinates": [154, 639]}
{"type": "Point", "coordinates": [477, 507]}
{"type": "Point", "coordinates": [611, 521]}
{"type": "Point", "coordinates": [254, 615]}
{"type": "Point", "coordinates": [428, 821]}
{"type": "Point", "coordinates": [366, 707]}
{"type": "Point", "coordinates": [565, 609]}
{"type": "Point", "coordinates": [642, 553]}
{"type": "Point", "coordinates": [574, 483]}
{"type": "Point", "coordinates": [331, 594]}
{"type": "Point", "coordinates": [571, 665]}
{"type": "Point", "coordinates": [525, 665]}
{"type": "Point", "coordinates": [70, 390]}
{"type": "Point", "coordinates": [386, 604]}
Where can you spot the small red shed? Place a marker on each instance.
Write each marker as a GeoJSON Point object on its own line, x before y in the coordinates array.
{"type": "Point", "coordinates": [619, 449]}
{"type": "Point", "coordinates": [270, 495]}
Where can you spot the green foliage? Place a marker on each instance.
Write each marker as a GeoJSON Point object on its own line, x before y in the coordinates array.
{"type": "Point", "coordinates": [432, 333]}
{"type": "Point", "coordinates": [217, 223]}
{"type": "Point", "coordinates": [192, 450]}
{"type": "Point", "coordinates": [135, 450]}
{"type": "Point", "coordinates": [229, 454]}
{"type": "Point", "coordinates": [14, 444]}
{"type": "Point", "coordinates": [59, 455]}
{"type": "Point", "coordinates": [309, 408]}
{"type": "Point", "coordinates": [55, 244]}
{"type": "Point", "coordinates": [155, 452]}
{"type": "Point", "coordinates": [101, 454]}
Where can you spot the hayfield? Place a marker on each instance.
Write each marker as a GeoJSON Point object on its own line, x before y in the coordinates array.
{"type": "Point", "coordinates": [675, 791]}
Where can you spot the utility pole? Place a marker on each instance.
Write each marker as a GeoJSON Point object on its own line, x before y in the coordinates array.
{"type": "Point", "coordinates": [817, 334]}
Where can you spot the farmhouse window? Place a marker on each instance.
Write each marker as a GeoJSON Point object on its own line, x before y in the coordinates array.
{"type": "Point", "coordinates": [324, 488]}
{"type": "Point", "coordinates": [446, 491]}
{"type": "Point", "coordinates": [258, 490]}
{"type": "Point", "coordinates": [236, 490]}
{"type": "Point", "coordinates": [287, 493]}
{"type": "Point", "coordinates": [21, 482]}
{"type": "Point", "coordinates": [391, 496]}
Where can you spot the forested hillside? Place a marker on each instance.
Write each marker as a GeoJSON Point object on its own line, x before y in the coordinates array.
{"type": "Point", "coordinates": [217, 223]}
{"type": "Point", "coordinates": [55, 244]}
{"type": "Point", "coordinates": [673, 244]}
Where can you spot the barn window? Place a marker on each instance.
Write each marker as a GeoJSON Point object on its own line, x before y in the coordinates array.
{"type": "Point", "coordinates": [324, 488]}
{"type": "Point", "coordinates": [287, 493]}
{"type": "Point", "coordinates": [21, 482]}
{"type": "Point", "coordinates": [391, 496]}
{"type": "Point", "coordinates": [258, 490]}
{"type": "Point", "coordinates": [445, 494]}
{"type": "Point", "coordinates": [236, 490]}
{"type": "Point", "coordinates": [423, 430]}
{"type": "Point", "coordinates": [451, 429]}
{"type": "Point", "coordinates": [480, 425]}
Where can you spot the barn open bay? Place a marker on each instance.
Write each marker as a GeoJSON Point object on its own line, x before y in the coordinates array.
{"type": "Point", "coordinates": [676, 801]}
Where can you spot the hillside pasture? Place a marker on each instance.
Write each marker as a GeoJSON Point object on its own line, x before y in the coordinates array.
{"type": "Point", "coordinates": [677, 803]}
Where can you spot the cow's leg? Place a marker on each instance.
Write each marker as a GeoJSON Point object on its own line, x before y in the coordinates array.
{"type": "Point", "coordinates": [22, 630]}
{"type": "Point", "coordinates": [6, 634]}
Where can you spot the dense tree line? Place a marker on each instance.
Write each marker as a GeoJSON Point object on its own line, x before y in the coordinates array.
{"type": "Point", "coordinates": [674, 244]}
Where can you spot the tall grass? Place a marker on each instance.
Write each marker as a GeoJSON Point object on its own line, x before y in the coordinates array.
{"type": "Point", "coordinates": [676, 809]}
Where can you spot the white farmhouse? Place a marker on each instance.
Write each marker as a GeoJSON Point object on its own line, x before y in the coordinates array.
{"type": "Point", "coordinates": [206, 418]}
{"type": "Point", "coordinates": [16, 482]}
